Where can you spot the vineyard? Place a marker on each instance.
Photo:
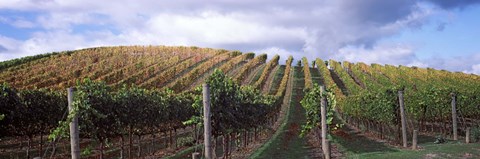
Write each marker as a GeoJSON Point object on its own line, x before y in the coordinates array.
{"type": "Point", "coordinates": [146, 101]}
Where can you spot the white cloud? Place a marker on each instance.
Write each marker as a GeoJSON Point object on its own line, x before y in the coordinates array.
{"type": "Point", "coordinates": [463, 63]}
{"type": "Point", "coordinates": [272, 51]}
{"type": "Point", "coordinates": [343, 30]}
{"type": "Point", "coordinates": [307, 26]}
{"type": "Point", "coordinates": [212, 28]}
{"type": "Point", "coordinates": [64, 20]}
{"type": "Point", "coordinates": [396, 54]}
{"type": "Point", "coordinates": [418, 63]}
{"type": "Point", "coordinates": [41, 42]}
{"type": "Point", "coordinates": [17, 22]}
{"type": "Point", "coordinates": [8, 48]}
{"type": "Point", "coordinates": [475, 69]}
{"type": "Point", "coordinates": [20, 23]}
{"type": "Point", "coordinates": [44, 42]}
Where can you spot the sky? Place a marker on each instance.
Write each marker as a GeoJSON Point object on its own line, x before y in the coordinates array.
{"type": "Point", "coordinates": [441, 34]}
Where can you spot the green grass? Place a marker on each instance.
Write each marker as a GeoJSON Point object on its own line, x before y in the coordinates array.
{"type": "Point", "coordinates": [316, 76]}
{"type": "Point", "coordinates": [257, 75]}
{"type": "Point", "coordinates": [273, 141]}
{"type": "Point", "coordinates": [358, 146]}
{"type": "Point", "coordinates": [430, 150]}
{"type": "Point", "coordinates": [186, 153]}
{"type": "Point", "coordinates": [277, 79]}
{"type": "Point", "coordinates": [286, 142]}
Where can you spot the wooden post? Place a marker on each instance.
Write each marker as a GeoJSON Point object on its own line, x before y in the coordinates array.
{"type": "Point", "coordinates": [414, 140]}
{"type": "Point", "coordinates": [207, 122]}
{"type": "Point", "coordinates": [327, 150]}
{"type": "Point", "coordinates": [403, 118]}
{"type": "Point", "coordinates": [74, 134]}
{"type": "Point", "coordinates": [454, 117]}
{"type": "Point", "coordinates": [323, 114]}
{"type": "Point", "coordinates": [467, 135]}
{"type": "Point", "coordinates": [196, 155]}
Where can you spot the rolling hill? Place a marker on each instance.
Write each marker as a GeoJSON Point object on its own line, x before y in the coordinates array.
{"type": "Point", "coordinates": [365, 95]}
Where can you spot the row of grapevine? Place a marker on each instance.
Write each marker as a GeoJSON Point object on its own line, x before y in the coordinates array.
{"type": "Point", "coordinates": [352, 87]}
{"type": "Point", "coordinates": [230, 104]}
{"type": "Point", "coordinates": [29, 113]}
{"type": "Point", "coordinates": [37, 75]}
{"type": "Point", "coordinates": [106, 114]}
{"type": "Point", "coordinates": [311, 103]}
{"type": "Point", "coordinates": [15, 62]}
{"type": "Point", "coordinates": [327, 77]}
{"type": "Point", "coordinates": [308, 76]}
{"type": "Point", "coordinates": [111, 64]}
{"type": "Point", "coordinates": [185, 81]}
{"type": "Point", "coordinates": [235, 61]}
{"type": "Point", "coordinates": [23, 69]}
{"type": "Point", "coordinates": [76, 62]}
{"type": "Point", "coordinates": [283, 84]}
{"type": "Point", "coordinates": [273, 79]}
{"type": "Point", "coordinates": [358, 77]}
{"type": "Point", "coordinates": [427, 94]}
{"type": "Point", "coordinates": [247, 68]}
{"type": "Point", "coordinates": [375, 99]}
{"type": "Point", "coordinates": [225, 67]}
{"type": "Point", "coordinates": [149, 72]}
{"type": "Point", "coordinates": [312, 98]}
{"type": "Point", "coordinates": [122, 73]}
{"type": "Point", "coordinates": [266, 71]}
{"type": "Point", "coordinates": [162, 78]}
{"type": "Point", "coordinates": [254, 75]}
{"type": "Point", "coordinates": [375, 75]}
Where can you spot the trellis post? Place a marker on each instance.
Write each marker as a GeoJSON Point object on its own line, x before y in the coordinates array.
{"type": "Point", "coordinates": [74, 132]}
{"type": "Point", "coordinates": [454, 117]}
{"type": "Point", "coordinates": [323, 113]}
{"type": "Point", "coordinates": [207, 122]}
{"type": "Point", "coordinates": [403, 118]}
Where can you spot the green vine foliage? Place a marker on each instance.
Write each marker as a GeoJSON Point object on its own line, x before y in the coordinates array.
{"type": "Point", "coordinates": [95, 108]}
{"type": "Point", "coordinates": [104, 114]}
{"type": "Point", "coordinates": [9, 102]}
{"type": "Point", "coordinates": [197, 106]}
{"type": "Point", "coordinates": [379, 105]}
{"type": "Point", "coordinates": [35, 102]}
{"type": "Point", "coordinates": [311, 103]}
{"type": "Point", "coordinates": [25, 112]}
{"type": "Point", "coordinates": [233, 108]}
{"type": "Point", "coordinates": [133, 101]}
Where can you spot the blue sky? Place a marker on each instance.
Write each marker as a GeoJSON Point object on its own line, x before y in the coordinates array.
{"type": "Point", "coordinates": [447, 37]}
{"type": "Point", "coordinates": [427, 33]}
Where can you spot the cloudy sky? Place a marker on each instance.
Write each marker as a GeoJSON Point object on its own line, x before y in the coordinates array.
{"type": "Point", "coordinates": [442, 34]}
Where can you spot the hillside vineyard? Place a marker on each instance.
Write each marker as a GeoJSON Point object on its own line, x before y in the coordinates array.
{"type": "Point", "coordinates": [127, 95]}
